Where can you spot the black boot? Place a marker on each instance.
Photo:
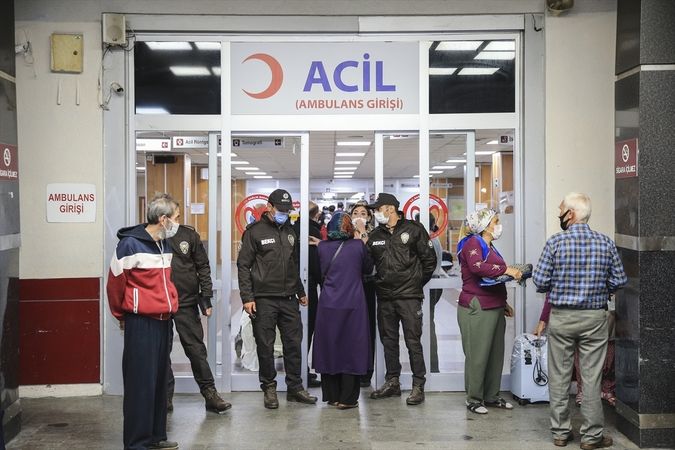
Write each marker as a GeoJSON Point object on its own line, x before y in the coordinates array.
{"type": "Point", "coordinates": [300, 396]}
{"type": "Point", "coordinates": [214, 402]}
{"type": "Point", "coordinates": [270, 396]}
{"type": "Point", "coordinates": [416, 396]}
{"type": "Point", "coordinates": [390, 388]}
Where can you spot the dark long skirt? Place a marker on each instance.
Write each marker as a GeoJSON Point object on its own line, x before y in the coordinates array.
{"type": "Point", "coordinates": [340, 388]}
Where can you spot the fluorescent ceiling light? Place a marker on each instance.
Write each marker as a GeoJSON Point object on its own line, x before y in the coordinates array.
{"type": "Point", "coordinates": [350, 154]}
{"type": "Point", "coordinates": [190, 71]}
{"type": "Point", "coordinates": [263, 176]}
{"type": "Point", "coordinates": [234, 163]}
{"type": "Point", "coordinates": [443, 167]}
{"type": "Point", "coordinates": [358, 195]}
{"type": "Point", "coordinates": [255, 173]}
{"type": "Point", "coordinates": [233, 155]}
{"type": "Point", "coordinates": [435, 172]}
{"type": "Point", "coordinates": [417, 176]}
{"type": "Point", "coordinates": [501, 46]}
{"type": "Point", "coordinates": [492, 142]}
{"type": "Point", "coordinates": [496, 55]}
{"type": "Point", "coordinates": [343, 173]}
{"type": "Point", "coordinates": [208, 45]}
{"type": "Point", "coordinates": [247, 168]}
{"type": "Point", "coordinates": [342, 176]}
{"type": "Point", "coordinates": [328, 195]}
{"type": "Point", "coordinates": [216, 70]}
{"type": "Point", "coordinates": [353, 143]}
{"type": "Point", "coordinates": [151, 110]}
{"type": "Point", "coordinates": [347, 162]}
{"type": "Point", "coordinates": [442, 70]}
{"type": "Point", "coordinates": [458, 46]}
{"type": "Point", "coordinates": [456, 161]}
{"type": "Point", "coordinates": [346, 168]}
{"type": "Point", "coordinates": [478, 71]}
{"type": "Point", "coordinates": [169, 45]}
{"type": "Point", "coordinates": [485, 153]}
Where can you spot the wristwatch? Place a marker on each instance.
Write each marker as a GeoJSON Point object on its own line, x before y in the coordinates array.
{"type": "Point", "coordinates": [364, 235]}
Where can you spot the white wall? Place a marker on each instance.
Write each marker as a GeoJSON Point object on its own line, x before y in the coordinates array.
{"type": "Point", "coordinates": [580, 48]}
{"type": "Point", "coordinates": [58, 144]}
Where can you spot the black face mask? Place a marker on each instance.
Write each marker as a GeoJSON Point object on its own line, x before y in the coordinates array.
{"type": "Point", "coordinates": [563, 223]}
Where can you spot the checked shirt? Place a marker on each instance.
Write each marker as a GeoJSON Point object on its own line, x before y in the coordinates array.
{"type": "Point", "coordinates": [579, 268]}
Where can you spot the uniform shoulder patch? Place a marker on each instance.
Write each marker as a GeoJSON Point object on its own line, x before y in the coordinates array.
{"type": "Point", "coordinates": [291, 239]}
{"type": "Point", "coordinates": [184, 247]}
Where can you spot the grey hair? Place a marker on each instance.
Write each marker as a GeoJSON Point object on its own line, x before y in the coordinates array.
{"type": "Point", "coordinates": [579, 203]}
{"type": "Point", "coordinates": [161, 205]}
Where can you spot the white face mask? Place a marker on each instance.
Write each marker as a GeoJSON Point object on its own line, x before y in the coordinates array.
{"type": "Point", "coordinates": [497, 231]}
{"type": "Point", "coordinates": [171, 231]}
{"type": "Point", "coordinates": [381, 218]}
{"type": "Point", "coordinates": [357, 220]}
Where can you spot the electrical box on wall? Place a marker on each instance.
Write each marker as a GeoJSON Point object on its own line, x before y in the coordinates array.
{"type": "Point", "coordinates": [66, 52]}
{"type": "Point", "coordinates": [114, 29]}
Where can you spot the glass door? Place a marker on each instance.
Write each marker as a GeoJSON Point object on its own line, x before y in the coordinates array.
{"type": "Point", "coordinates": [260, 163]}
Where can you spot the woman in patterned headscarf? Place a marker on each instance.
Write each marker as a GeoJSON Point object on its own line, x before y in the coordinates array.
{"type": "Point", "coordinates": [482, 310]}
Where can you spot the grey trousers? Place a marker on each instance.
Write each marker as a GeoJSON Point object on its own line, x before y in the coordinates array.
{"type": "Point", "coordinates": [586, 330]}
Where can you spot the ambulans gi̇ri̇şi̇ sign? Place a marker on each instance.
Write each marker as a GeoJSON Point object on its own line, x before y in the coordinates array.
{"type": "Point", "coordinates": [71, 202]}
{"type": "Point", "coordinates": [325, 78]}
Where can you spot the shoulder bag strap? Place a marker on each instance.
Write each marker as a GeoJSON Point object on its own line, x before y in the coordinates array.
{"type": "Point", "coordinates": [325, 273]}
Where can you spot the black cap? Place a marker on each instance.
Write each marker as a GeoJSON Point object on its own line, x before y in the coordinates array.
{"type": "Point", "coordinates": [281, 200]}
{"type": "Point", "coordinates": [384, 199]}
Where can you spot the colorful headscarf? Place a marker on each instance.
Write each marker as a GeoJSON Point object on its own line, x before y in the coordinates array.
{"type": "Point", "coordinates": [478, 221]}
{"type": "Point", "coordinates": [340, 227]}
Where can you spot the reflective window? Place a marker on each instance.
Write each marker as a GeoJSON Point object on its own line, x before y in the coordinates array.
{"type": "Point", "coordinates": [177, 77]}
{"type": "Point", "coordinates": [472, 76]}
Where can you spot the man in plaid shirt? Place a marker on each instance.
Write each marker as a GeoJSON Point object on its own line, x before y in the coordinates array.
{"type": "Point", "coordinates": [579, 268]}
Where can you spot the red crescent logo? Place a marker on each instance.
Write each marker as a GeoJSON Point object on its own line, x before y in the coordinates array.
{"type": "Point", "coordinates": [277, 76]}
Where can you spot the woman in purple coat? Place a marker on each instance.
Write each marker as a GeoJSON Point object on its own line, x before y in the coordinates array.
{"type": "Point", "coordinates": [342, 351]}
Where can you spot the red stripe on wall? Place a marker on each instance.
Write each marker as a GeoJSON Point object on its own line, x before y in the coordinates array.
{"type": "Point", "coordinates": [59, 331]}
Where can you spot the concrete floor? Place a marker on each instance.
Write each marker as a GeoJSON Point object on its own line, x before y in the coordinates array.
{"type": "Point", "coordinates": [441, 423]}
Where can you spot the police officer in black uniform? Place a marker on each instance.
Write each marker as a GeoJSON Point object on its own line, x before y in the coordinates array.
{"type": "Point", "coordinates": [191, 274]}
{"type": "Point", "coordinates": [405, 261]}
{"type": "Point", "coordinates": [270, 288]}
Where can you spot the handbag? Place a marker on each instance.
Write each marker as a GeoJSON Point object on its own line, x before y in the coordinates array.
{"type": "Point", "coordinates": [323, 275]}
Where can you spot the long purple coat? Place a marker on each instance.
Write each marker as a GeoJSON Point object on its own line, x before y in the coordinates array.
{"type": "Point", "coordinates": [342, 334]}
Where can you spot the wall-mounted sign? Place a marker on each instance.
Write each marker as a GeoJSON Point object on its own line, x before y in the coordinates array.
{"type": "Point", "coordinates": [180, 142]}
{"type": "Point", "coordinates": [325, 78]}
{"type": "Point", "coordinates": [71, 202]}
{"type": "Point", "coordinates": [197, 208]}
{"type": "Point", "coordinates": [258, 142]}
{"type": "Point", "coordinates": [626, 158]}
{"type": "Point", "coordinates": [437, 208]}
{"type": "Point", "coordinates": [153, 145]}
{"type": "Point", "coordinates": [9, 162]}
{"type": "Point", "coordinates": [250, 210]}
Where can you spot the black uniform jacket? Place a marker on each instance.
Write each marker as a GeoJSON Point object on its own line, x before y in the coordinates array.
{"type": "Point", "coordinates": [405, 260]}
{"type": "Point", "coordinates": [267, 263]}
{"type": "Point", "coordinates": [190, 270]}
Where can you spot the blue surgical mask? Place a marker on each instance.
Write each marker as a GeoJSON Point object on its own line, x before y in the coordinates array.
{"type": "Point", "coordinates": [280, 217]}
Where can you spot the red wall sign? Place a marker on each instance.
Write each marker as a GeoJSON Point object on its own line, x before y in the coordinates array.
{"type": "Point", "coordinates": [9, 162]}
{"type": "Point", "coordinates": [437, 208]}
{"type": "Point", "coordinates": [626, 158]}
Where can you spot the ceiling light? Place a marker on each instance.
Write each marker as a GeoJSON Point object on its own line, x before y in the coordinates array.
{"type": "Point", "coordinates": [255, 173]}
{"type": "Point", "coordinates": [501, 45]}
{"type": "Point", "coordinates": [169, 45]}
{"type": "Point", "coordinates": [478, 71]}
{"type": "Point", "coordinates": [343, 173]}
{"type": "Point", "coordinates": [456, 161]}
{"type": "Point", "coordinates": [358, 195]}
{"type": "Point", "coordinates": [458, 46]}
{"type": "Point", "coordinates": [342, 176]}
{"type": "Point", "coordinates": [247, 168]}
{"type": "Point", "coordinates": [234, 163]}
{"type": "Point", "coordinates": [208, 45]}
{"type": "Point", "coordinates": [353, 143]}
{"type": "Point", "coordinates": [492, 142]}
{"type": "Point", "coordinates": [328, 195]}
{"type": "Point", "coordinates": [444, 167]}
{"type": "Point", "coordinates": [151, 110]}
{"type": "Point", "coordinates": [495, 55]}
{"type": "Point", "coordinates": [261, 177]}
{"type": "Point", "coordinates": [347, 162]}
{"type": "Point", "coordinates": [350, 154]}
{"type": "Point", "coordinates": [233, 155]}
{"type": "Point", "coordinates": [442, 70]}
{"type": "Point", "coordinates": [417, 176]}
{"type": "Point", "coordinates": [435, 172]}
{"type": "Point", "coordinates": [346, 168]}
{"type": "Point", "coordinates": [189, 71]}
{"type": "Point", "coordinates": [483, 153]}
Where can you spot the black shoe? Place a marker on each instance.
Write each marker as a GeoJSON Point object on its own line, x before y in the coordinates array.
{"type": "Point", "coordinates": [300, 396]}
{"type": "Point", "coordinates": [416, 396]}
{"type": "Point", "coordinates": [164, 444]}
{"type": "Point", "coordinates": [270, 398]}
{"type": "Point", "coordinates": [390, 388]}
{"type": "Point", "coordinates": [214, 402]}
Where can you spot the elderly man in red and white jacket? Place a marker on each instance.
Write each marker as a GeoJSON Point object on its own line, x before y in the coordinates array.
{"type": "Point", "coordinates": [143, 298]}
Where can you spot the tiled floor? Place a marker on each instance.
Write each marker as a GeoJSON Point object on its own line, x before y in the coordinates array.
{"type": "Point", "coordinates": [441, 423]}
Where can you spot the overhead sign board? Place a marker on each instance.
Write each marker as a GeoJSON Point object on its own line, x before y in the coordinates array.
{"type": "Point", "coordinates": [626, 158]}
{"type": "Point", "coordinates": [153, 145]}
{"type": "Point", "coordinates": [258, 142]}
{"type": "Point", "coordinates": [180, 142]}
{"type": "Point", "coordinates": [325, 78]}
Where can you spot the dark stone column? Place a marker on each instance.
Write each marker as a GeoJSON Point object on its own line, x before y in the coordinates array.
{"type": "Point", "coordinates": [645, 222]}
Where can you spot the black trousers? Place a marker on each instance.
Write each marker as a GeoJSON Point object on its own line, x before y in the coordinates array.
{"type": "Point", "coordinates": [369, 288]}
{"type": "Point", "coordinates": [313, 304]}
{"type": "Point", "coordinates": [191, 334]}
{"type": "Point", "coordinates": [282, 312]}
{"type": "Point", "coordinates": [340, 388]}
{"type": "Point", "coordinates": [407, 312]}
{"type": "Point", "coordinates": [144, 369]}
{"type": "Point", "coordinates": [435, 295]}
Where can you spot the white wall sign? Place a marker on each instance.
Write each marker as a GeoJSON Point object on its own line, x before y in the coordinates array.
{"type": "Point", "coordinates": [153, 145]}
{"type": "Point", "coordinates": [325, 78]}
{"type": "Point", "coordinates": [197, 208]}
{"type": "Point", "coordinates": [71, 202]}
{"type": "Point", "coordinates": [190, 142]}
